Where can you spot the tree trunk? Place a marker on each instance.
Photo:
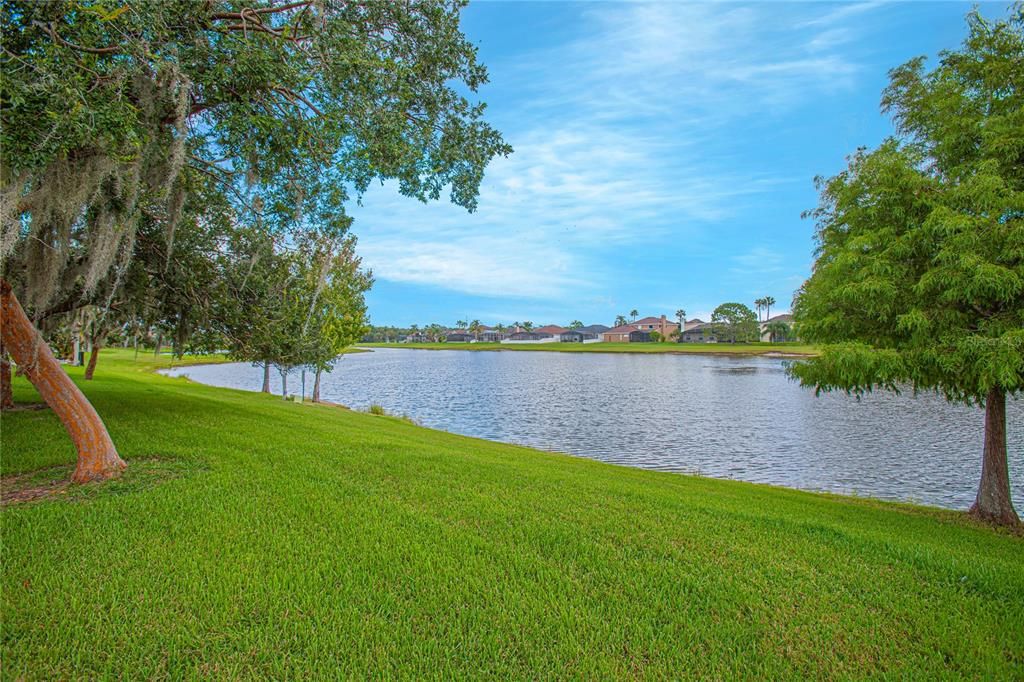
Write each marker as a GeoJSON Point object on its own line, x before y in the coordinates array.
{"type": "Point", "coordinates": [6, 393]}
{"type": "Point", "coordinates": [284, 385]}
{"type": "Point", "coordinates": [266, 378]}
{"type": "Point", "coordinates": [93, 356]}
{"type": "Point", "coordinates": [159, 344]}
{"type": "Point", "coordinates": [993, 503]}
{"type": "Point", "coordinates": [97, 456]}
{"type": "Point", "coordinates": [316, 387]}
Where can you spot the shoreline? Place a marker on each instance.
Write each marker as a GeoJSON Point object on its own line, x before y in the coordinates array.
{"type": "Point", "coordinates": [742, 350]}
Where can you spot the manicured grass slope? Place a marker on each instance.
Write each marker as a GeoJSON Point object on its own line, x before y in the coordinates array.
{"type": "Point", "coordinates": [316, 541]}
{"type": "Point", "coordinates": [681, 348]}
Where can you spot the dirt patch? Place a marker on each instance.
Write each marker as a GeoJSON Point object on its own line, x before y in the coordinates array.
{"type": "Point", "coordinates": [27, 407]}
{"type": "Point", "coordinates": [54, 483]}
{"type": "Point", "coordinates": [34, 485]}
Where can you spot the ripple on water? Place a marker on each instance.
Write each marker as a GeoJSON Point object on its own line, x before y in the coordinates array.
{"type": "Point", "coordinates": [726, 417]}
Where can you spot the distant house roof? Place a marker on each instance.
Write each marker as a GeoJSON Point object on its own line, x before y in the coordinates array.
{"type": "Point", "coordinates": [549, 329]}
{"type": "Point", "coordinates": [785, 317]}
{"type": "Point", "coordinates": [622, 329]}
{"type": "Point", "coordinates": [696, 320]}
{"type": "Point", "coordinates": [593, 329]}
{"type": "Point", "coordinates": [648, 320]}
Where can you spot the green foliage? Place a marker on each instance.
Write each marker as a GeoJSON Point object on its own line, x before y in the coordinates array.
{"type": "Point", "coordinates": [735, 322]}
{"type": "Point", "coordinates": [575, 324]}
{"type": "Point", "coordinates": [920, 272]}
{"type": "Point", "coordinates": [112, 110]}
{"type": "Point", "coordinates": [779, 331]}
{"type": "Point", "coordinates": [303, 541]}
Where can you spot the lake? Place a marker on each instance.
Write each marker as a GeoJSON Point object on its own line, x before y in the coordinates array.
{"type": "Point", "coordinates": [726, 417]}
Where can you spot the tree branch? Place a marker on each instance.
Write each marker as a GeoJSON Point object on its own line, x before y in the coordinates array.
{"type": "Point", "coordinates": [113, 49]}
{"type": "Point", "coordinates": [266, 10]}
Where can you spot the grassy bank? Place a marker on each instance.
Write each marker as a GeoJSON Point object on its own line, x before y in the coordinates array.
{"type": "Point", "coordinates": [257, 538]}
{"type": "Point", "coordinates": [677, 348]}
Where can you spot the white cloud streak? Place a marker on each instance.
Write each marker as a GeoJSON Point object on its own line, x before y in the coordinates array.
{"type": "Point", "coordinates": [611, 148]}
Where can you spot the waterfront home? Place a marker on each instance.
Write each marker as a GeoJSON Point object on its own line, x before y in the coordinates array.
{"type": "Point", "coordinates": [519, 337]}
{"type": "Point", "coordinates": [458, 336]}
{"type": "Point", "coordinates": [622, 333]}
{"type": "Point", "coordinates": [416, 337]}
{"type": "Point", "coordinates": [489, 335]}
{"type": "Point", "coordinates": [551, 331]}
{"type": "Point", "coordinates": [545, 334]}
{"type": "Point", "coordinates": [618, 334]}
{"type": "Point", "coordinates": [657, 324]}
{"type": "Point", "coordinates": [699, 333]}
{"type": "Point", "coordinates": [589, 334]}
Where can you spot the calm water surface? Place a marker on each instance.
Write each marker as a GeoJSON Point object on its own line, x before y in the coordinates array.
{"type": "Point", "coordinates": [726, 417]}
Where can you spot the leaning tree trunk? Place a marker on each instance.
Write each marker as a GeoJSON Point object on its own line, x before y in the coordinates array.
{"type": "Point", "coordinates": [316, 387]}
{"type": "Point", "coordinates": [93, 356]}
{"type": "Point", "coordinates": [284, 385]}
{"type": "Point", "coordinates": [97, 456]}
{"type": "Point", "coordinates": [266, 377]}
{"type": "Point", "coordinates": [6, 392]}
{"type": "Point", "coordinates": [993, 503]}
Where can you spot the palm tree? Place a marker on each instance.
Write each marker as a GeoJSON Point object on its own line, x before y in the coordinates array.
{"type": "Point", "coordinates": [768, 303]}
{"type": "Point", "coordinates": [681, 316]}
{"type": "Point", "coordinates": [474, 329]}
{"type": "Point", "coordinates": [500, 328]}
{"type": "Point", "coordinates": [778, 331]}
{"type": "Point", "coordinates": [759, 304]}
{"type": "Point", "coordinates": [620, 321]}
{"type": "Point", "coordinates": [575, 324]}
{"type": "Point", "coordinates": [634, 312]}
{"type": "Point", "coordinates": [527, 326]}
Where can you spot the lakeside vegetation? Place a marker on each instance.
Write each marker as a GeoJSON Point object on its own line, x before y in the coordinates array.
{"type": "Point", "coordinates": [253, 537]}
{"type": "Point", "coordinates": [678, 348]}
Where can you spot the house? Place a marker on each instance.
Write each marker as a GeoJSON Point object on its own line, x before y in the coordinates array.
{"type": "Point", "coordinates": [695, 322]}
{"type": "Point", "coordinates": [489, 335]}
{"type": "Point", "coordinates": [640, 336]}
{"type": "Point", "coordinates": [458, 336]}
{"type": "Point", "coordinates": [590, 334]}
{"type": "Point", "coordinates": [766, 333]}
{"type": "Point", "coordinates": [416, 337]}
{"type": "Point", "coordinates": [699, 333]}
{"type": "Point", "coordinates": [657, 324]}
{"type": "Point", "coordinates": [545, 334]}
{"type": "Point", "coordinates": [661, 325]}
{"type": "Point", "coordinates": [551, 330]}
{"type": "Point", "coordinates": [618, 334]}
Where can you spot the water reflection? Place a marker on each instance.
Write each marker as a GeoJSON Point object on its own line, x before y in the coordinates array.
{"type": "Point", "coordinates": [727, 417]}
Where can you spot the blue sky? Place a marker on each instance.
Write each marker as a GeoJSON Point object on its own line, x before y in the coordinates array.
{"type": "Point", "coordinates": [663, 156]}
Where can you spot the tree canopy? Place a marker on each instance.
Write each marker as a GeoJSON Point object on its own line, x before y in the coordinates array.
{"type": "Point", "coordinates": [290, 108]}
{"type": "Point", "coordinates": [919, 277]}
{"type": "Point", "coordinates": [735, 322]}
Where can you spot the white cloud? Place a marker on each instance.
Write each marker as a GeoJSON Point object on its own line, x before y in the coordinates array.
{"type": "Point", "coordinates": [611, 140]}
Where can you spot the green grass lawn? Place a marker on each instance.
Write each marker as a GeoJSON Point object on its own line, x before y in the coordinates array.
{"type": "Point", "coordinates": [705, 348]}
{"type": "Point", "coordinates": [252, 538]}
